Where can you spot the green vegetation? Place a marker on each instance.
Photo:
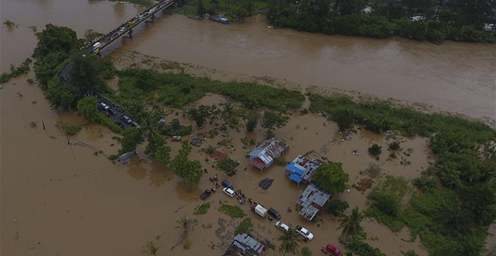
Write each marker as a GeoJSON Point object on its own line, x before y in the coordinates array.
{"type": "Point", "coordinates": [130, 140]}
{"type": "Point", "coordinates": [375, 150]}
{"type": "Point", "coordinates": [232, 211]}
{"type": "Point", "coordinates": [373, 170]}
{"type": "Point", "coordinates": [228, 165]}
{"type": "Point", "coordinates": [386, 199]}
{"type": "Point", "coordinates": [394, 146]}
{"type": "Point", "coordinates": [351, 226]}
{"type": "Point", "coordinates": [244, 227]}
{"type": "Point", "coordinates": [272, 120]}
{"type": "Point", "coordinates": [177, 90]}
{"type": "Point", "coordinates": [87, 108]}
{"type": "Point", "coordinates": [145, 3]}
{"type": "Point", "coordinates": [68, 129]}
{"type": "Point", "coordinates": [150, 248]}
{"type": "Point", "coordinates": [16, 71]}
{"type": "Point", "coordinates": [337, 207]}
{"type": "Point", "coordinates": [10, 24]}
{"type": "Point", "coordinates": [330, 177]}
{"type": "Point", "coordinates": [190, 171]}
{"type": "Point", "coordinates": [289, 241]}
{"type": "Point", "coordinates": [460, 20]}
{"type": "Point", "coordinates": [202, 209]}
{"type": "Point", "coordinates": [363, 249]}
{"type": "Point", "coordinates": [464, 163]}
{"type": "Point", "coordinates": [305, 251]}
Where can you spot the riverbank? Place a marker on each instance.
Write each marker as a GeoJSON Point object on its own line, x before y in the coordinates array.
{"type": "Point", "coordinates": [124, 59]}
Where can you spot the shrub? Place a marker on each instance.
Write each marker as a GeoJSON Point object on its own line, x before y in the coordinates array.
{"type": "Point", "coordinates": [425, 184]}
{"type": "Point", "coordinates": [395, 145]}
{"type": "Point", "coordinates": [305, 251]}
{"type": "Point", "coordinates": [243, 227]}
{"type": "Point", "coordinates": [375, 150]}
{"type": "Point", "coordinates": [202, 209]}
{"type": "Point", "coordinates": [232, 211]}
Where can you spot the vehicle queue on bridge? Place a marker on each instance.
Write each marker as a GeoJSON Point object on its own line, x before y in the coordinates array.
{"type": "Point", "coordinates": [124, 27]}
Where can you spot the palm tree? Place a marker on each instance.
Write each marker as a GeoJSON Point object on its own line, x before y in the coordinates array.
{"type": "Point", "coordinates": [289, 242]}
{"type": "Point", "coordinates": [184, 226]}
{"type": "Point", "coordinates": [149, 126]}
{"type": "Point", "coordinates": [150, 249]}
{"type": "Point", "coordinates": [229, 113]}
{"type": "Point", "coordinates": [351, 224]}
{"type": "Point", "coordinates": [63, 127]}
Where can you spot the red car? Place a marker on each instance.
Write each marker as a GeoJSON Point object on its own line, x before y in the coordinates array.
{"type": "Point", "coordinates": [334, 250]}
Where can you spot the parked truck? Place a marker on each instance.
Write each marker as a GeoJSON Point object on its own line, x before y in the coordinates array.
{"type": "Point", "coordinates": [260, 210]}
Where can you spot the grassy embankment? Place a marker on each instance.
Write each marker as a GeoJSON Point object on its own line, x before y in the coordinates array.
{"type": "Point", "coordinates": [178, 90]}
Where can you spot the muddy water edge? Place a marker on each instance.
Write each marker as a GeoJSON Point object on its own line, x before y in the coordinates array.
{"type": "Point", "coordinates": [60, 199]}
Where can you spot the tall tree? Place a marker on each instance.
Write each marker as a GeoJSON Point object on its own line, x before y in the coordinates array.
{"type": "Point", "coordinates": [163, 154]}
{"type": "Point", "coordinates": [330, 177]}
{"type": "Point", "coordinates": [86, 73]}
{"type": "Point", "coordinates": [272, 120]}
{"type": "Point", "coordinates": [201, 10]}
{"type": "Point", "coordinates": [289, 242]}
{"type": "Point", "coordinates": [130, 140]}
{"type": "Point", "coordinates": [87, 108]}
{"type": "Point", "coordinates": [351, 225]}
{"type": "Point", "coordinates": [190, 171]}
{"type": "Point", "coordinates": [184, 225]}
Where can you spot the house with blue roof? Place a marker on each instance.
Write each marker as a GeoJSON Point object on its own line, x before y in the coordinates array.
{"type": "Point", "coordinates": [300, 170]}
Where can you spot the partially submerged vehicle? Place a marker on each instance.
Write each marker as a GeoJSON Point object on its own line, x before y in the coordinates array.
{"type": "Point", "coordinates": [206, 194]}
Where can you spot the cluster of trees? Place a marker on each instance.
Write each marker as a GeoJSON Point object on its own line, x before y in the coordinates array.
{"type": "Point", "coordinates": [458, 20]}
{"type": "Point", "coordinates": [453, 217]}
{"type": "Point", "coordinates": [63, 72]}
{"type": "Point", "coordinates": [237, 10]}
{"type": "Point", "coordinates": [190, 171]}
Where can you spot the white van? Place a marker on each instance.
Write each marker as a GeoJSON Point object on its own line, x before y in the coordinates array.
{"type": "Point", "coordinates": [96, 45]}
{"type": "Point", "coordinates": [260, 210]}
{"type": "Point", "coordinates": [229, 192]}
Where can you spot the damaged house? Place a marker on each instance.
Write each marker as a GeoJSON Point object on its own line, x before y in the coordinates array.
{"type": "Point", "coordinates": [265, 154]}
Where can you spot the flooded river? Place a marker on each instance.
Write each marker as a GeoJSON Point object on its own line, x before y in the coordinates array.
{"type": "Point", "coordinates": [60, 199]}
{"type": "Point", "coordinates": [456, 77]}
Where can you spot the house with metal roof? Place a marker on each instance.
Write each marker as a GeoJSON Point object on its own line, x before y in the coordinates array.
{"type": "Point", "coordinates": [301, 169]}
{"type": "Point", "coordinates": [312, 200]}
{"type": "Point", "coordinates": [265, 154]}
{"type": "Point", "coordinates": [245, 245]}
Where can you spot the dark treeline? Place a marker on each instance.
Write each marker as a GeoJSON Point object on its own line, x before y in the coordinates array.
{"type": "Point", "coordinates": [435, 20]}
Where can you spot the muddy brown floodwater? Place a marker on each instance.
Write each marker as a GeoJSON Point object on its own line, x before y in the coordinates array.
{"type": "Point", "coordinates": [60, 199]}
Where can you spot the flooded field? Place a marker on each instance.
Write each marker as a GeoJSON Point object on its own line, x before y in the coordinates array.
{"type": "Point", "coordinates": [68, 199]}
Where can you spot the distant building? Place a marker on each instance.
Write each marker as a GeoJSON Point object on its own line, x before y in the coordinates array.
{"type": "Point", "coordinates": [302, 168]}
{"type": "Point", "coordinates": [312, 200]}
{"type": "Point", "coordinates": [265, 154]}
{"type": "Point", "coordinates": [245, 245]}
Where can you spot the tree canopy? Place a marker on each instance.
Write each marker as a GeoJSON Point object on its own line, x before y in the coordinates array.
{"type": "Point", "coordinates": [130, 140]}
{"type": "Point", "coordinates": [330, 177]}
{"type": "Point", "coordinates": [87, 108]}
{"type": "Point", "coordinates": [190, 171]}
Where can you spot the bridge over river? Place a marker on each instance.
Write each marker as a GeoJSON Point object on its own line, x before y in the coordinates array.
{"type": "Point", "coordinates": [126, 29]}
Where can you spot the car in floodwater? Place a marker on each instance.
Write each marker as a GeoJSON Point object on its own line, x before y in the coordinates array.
{"type": "Point", "coordinates": [280, 225]}
{"type": "Point", "coordinates": [206, 194]}
{"type": "Point", "coordinates": [304, 232]}
{"type": "Point", "coordinates": [334, 250]}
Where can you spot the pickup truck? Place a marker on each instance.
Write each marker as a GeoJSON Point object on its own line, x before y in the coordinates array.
{"type": "Point", "coordinates": [206, 194]}
{"type": "Point", "coordinates": [304, 232]}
